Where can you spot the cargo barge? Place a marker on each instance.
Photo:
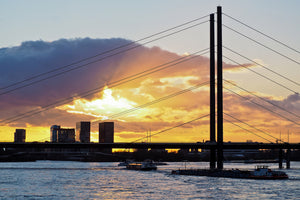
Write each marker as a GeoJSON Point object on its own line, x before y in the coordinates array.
{"type": "Point", "coordinates": [260, 172]}
{"type": "Point", "coordinates": [144, 166]}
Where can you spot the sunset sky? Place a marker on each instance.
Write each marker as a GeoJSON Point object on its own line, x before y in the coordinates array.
{"type": "Point", "coordinates": [136, 86]}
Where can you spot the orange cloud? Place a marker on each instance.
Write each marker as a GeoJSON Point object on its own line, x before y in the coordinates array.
{"type": "Point", "coordinates": [109, 103]}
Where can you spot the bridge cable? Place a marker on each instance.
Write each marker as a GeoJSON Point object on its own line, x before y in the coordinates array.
{"type": "Point", "coordinates": [155, 101]}
{"type": "Point", "coordinates": [268, 134]}
{"type": "Point", "coordinates": [262, 75]}
{"type": "Point", "coordinates": [262, 106]}
{"type": "Point", "coordinates": [108, 51]}
{"type": "Point", "coordinates": [168, 129]}
{"type": "Point", "coordinates": [283, 44]}
{"type": "Point", "coordinates": [75, 68]}
{"type": "Point", "coordinates": [247, 130]}
{"type": "Point", "coordinates": [271, 49]}
{"type": "Point", "coordinates": [262, 99]}
{"type": "Point", "coordinates": [278, 74]}
{"type": "Point", "coordinates": [98, 60]}
{"type": "Point", "coordinates": [112, 84]}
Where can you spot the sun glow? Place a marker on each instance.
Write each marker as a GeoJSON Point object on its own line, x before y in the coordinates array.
{"type": "Point", "coordinates": [103, 105]}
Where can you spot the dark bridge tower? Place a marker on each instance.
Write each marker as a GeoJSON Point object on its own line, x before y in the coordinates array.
{"type": "Point", "coordinates": [219, 90]}
{"type": "Point", "coordinates": [212, 93]}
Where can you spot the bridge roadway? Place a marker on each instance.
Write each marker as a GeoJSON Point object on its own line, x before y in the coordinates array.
{"type": "Point", "coordinates": [207, 145]}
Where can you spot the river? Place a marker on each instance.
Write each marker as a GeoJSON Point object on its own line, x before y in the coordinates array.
{"type": "Point", "coordinates": [79, 180]}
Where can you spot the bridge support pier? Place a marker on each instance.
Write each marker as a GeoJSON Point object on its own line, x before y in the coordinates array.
{"type": "Point", "coordinates": [212, 161]}
{"type": "Point", "coordinates": [288, 158]}
{"type": "Point", "coordinates": [280, 158]}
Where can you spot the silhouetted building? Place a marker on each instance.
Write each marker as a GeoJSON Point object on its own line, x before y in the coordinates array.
{"type": "Point", "coordinates": [106, 132]}
{"type": "Point", "coordinates": [66, 135]}
{"type": "Point", "coordinates": [54, 133]}
{"type": "Point", "coordinates": [63, 135]}
{"type": "Point", "coordinates": [83, 132]}
{"type": "Point", "coordinates": [20, 135]}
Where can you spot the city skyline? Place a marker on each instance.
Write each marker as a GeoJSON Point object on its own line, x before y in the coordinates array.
{"type": "Point", "coordinates": [39, 49]}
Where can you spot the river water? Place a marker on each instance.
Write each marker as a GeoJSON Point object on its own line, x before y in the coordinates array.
{"type": "Point", "coordinates": [79, 180]}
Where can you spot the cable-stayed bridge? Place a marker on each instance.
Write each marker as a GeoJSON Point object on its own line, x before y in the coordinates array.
{"type": "Point", "coordinates": [156, 145]}
{"type": "Point", "coordinates": [215, 143]}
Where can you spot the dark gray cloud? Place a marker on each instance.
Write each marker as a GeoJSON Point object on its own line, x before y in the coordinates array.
{"type": "Point", "coordinates": [36, 57]}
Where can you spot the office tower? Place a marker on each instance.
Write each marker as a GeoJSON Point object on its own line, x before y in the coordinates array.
{"type": "Point", "coordinates": [20, 135]}
{"type": "Point", "coordinates": [106, 132]}
{"type": "Point", "coordinates": [83, 132]}
{"type": "Point", "coordinates": [54, 133]}
{"type": "Point", "coordinates": [66, 135]}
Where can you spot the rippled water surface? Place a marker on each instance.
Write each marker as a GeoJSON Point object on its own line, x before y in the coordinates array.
{"type": "Point", "coordinates": [77, 180]}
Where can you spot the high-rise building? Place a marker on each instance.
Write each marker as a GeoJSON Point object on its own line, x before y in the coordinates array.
{"type": "Point", "coordinates": [83, 132]}
{"type": "Point", "coordinates": [54, 133]}
{"type": "Point", "coordinates": [20, 135]}
{"type": "Point", "coordinates": [106, 132]}
{"type": "Point", "coordinates": [66, 135]}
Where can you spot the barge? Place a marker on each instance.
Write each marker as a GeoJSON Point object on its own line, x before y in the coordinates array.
{"type": "Point", "coordinates": [144, 166]}
{"type": "Point", "coordinates": [260, 172]}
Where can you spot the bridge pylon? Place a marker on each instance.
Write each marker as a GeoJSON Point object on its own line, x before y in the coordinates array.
{"type": "Point", "coordinates": [212, 160]}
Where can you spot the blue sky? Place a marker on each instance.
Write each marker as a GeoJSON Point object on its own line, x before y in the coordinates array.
{"type": "Point", "coordinates": [133, 19]}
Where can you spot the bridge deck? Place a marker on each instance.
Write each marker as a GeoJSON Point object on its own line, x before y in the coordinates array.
{"type": "Point", "coordinates": [152, 145]}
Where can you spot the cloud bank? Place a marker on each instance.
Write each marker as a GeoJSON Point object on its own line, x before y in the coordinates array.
{"type": "Point", "coordinates": [63, 81]}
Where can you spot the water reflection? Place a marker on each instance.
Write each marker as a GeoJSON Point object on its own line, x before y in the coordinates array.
{"type": "Point", "coordinates": [76, 180]}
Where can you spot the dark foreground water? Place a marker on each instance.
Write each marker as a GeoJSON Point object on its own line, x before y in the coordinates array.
{"type": "Point", "coordinates": [76, 180]}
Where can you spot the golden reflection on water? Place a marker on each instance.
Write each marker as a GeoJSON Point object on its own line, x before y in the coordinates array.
{"type": "Point", "coordinates": [78, 180]}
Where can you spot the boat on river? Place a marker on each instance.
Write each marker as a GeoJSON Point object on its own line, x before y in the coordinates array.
{"type": "Point", "coordinates": [125, 163]}
{"type": "Point", "coordinates": [260, 172]}
{"type": "Point", "coordinates": [144, 166]}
